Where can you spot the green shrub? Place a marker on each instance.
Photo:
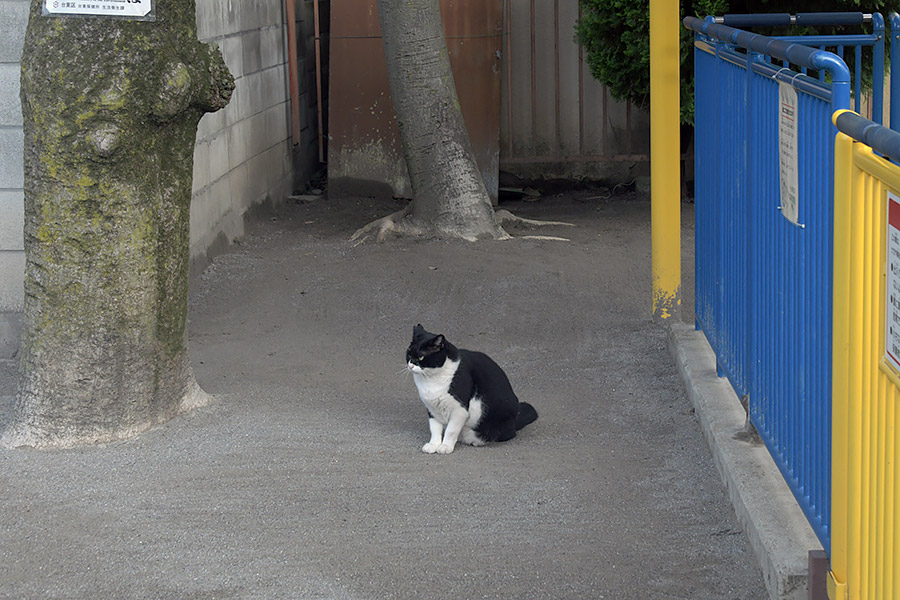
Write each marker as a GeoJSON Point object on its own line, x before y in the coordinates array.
{"type": "Point", "coordinates": [616, 38]}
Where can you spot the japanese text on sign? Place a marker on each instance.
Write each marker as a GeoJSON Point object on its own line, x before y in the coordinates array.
{"type": "Point", "coordinates": [892, 284]}
{"type": "Point", "coordinates": [105, 8]}
{"type": "Point", "coordinates": [787, 152]}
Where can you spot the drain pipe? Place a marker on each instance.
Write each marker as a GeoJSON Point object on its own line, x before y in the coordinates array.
{"type": "Point", "coordinates": [319, 109]}
{"type": "Point", "coordinates": [292, 70]}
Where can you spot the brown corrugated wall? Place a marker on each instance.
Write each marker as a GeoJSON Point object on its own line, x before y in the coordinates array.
{"type": "Point", "coordinates": [364, 152]}
{"type": "Point", "coordinates": [530, 103]}
{"type": "Point", "coordinates": [558, 121]}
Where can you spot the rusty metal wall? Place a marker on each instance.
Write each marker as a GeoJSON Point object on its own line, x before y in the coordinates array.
{"type": "Point", "coordinates": [556, 119]}
{"type": "Point", "coordinates": [364, 152]}
{"type": "Point", "coordinates": [520, 76]}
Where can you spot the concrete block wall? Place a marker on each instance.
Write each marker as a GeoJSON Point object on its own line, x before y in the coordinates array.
{"type": "Point", "coordinates": [13, 20]}
{"type": "Point", "coordinates": [244, 155]}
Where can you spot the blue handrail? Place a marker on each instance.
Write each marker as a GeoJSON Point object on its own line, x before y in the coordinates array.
{"type": "Point", "coordinates": [795, 53]}
{"type": "Point", "coordinates": [874, 39]}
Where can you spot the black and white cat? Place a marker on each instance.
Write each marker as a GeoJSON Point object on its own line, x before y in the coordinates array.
{"type": "Point", "coordinates": [468, 396]}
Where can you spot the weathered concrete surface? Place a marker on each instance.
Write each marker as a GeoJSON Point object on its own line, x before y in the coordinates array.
{"type": "Point", "coordinates": [304, 479]}
{"type": "Point", "coordinates": [778, 531]}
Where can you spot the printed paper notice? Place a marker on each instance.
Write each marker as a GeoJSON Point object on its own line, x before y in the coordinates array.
{"type": "Point", "coordinates": [787, 151]}
{"type": "Point", "coordinates": [98, 8]}
{"type": "Point", "coordinates": [892, 303]}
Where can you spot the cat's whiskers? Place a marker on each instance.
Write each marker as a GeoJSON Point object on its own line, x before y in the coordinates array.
{"type": "Point", "coordinates": [404, 372]}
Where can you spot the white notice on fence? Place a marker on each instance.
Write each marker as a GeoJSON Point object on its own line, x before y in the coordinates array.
{"type": "Point", "coordinates": [95, 8]}
{"type": "Point", "coordinates": [892, 300]}
{"type": "Point", "coordinates": [787, 151]}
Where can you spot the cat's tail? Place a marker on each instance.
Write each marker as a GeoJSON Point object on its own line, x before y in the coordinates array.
{"type": "Point", "coordinates": [526, 415]}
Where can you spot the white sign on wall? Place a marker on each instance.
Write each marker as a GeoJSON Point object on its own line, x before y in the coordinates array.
{"type": "Point", "coordinates": [892, 284]}
{"type": "Point", "coordinates": [787, 152]}
{"type": "Point", "coordinates": [133, 9]}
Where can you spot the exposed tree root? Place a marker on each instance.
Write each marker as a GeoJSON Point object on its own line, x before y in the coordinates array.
{"type": "Point", "coordinates": [393, 224]}
{"type": "Point", "coordinates": [504, 216]}
{"type": "Point", "coordinates": [548, 238]}
{"type": "Point", "coordinates": [400, 223]}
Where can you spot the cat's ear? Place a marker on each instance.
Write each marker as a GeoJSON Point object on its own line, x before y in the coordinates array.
{"type": "Point", "coordinates": [418, 329]}
{"type": "Point", "coordinates": [438, 342]}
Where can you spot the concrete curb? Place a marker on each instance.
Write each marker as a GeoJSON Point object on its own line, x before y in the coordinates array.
{"type": "Point", "coordinates": [777, 529]}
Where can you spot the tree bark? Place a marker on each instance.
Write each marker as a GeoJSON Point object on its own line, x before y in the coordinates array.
{"type": "Point", "coordinates": [110, 110]}
{"type": "Point", "coordinates": [449, 196]}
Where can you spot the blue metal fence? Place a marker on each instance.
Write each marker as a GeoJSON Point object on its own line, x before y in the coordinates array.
{"type": "Point", "coordinates": [763, 283]}
{"type": "Point", "coordinates": [838, 44]}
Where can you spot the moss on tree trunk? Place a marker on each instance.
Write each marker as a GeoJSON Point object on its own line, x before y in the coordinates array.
{"type": "Point", "coordinates": [110, 109]}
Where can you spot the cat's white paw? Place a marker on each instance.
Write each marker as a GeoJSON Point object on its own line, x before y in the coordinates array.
{"type": "Point", "coordinates": [444, 449]}
{"type": "Point", "coordinates": [430, 448]}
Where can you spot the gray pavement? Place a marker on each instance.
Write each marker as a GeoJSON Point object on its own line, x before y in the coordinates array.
{"type": "Point", "coordinates": [776, 527]}
{"type": "Point", "coordinates": [304, 478]}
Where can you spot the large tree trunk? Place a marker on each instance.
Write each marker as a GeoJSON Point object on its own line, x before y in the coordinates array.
{"type": "Point", "coordinates": [449, 196]}
{"type": "Point", "coordinates": [110, 109]}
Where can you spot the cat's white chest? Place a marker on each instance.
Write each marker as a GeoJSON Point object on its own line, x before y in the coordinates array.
{"type": "Point", "coordinates": [434, 390]}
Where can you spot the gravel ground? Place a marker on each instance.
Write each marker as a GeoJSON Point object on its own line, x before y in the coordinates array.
{"type": "Point", "coordinates": [305, 479]}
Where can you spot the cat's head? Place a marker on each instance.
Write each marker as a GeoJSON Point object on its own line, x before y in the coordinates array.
{"type": "Point", "coordinates": [426, 351]}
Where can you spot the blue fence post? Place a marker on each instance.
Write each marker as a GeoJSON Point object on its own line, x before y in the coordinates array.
{"type": "Point", "coordinates": [894, 19]}
{"type": "Point", "coordinates": [721, 158]}
{"type": "Point", "coordinates": [840, 77]}
{"type": "Point", "coordinates": [878, 68]}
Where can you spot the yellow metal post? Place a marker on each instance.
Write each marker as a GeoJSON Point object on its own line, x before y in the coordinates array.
{"type": "Point", "coordinates": [665, 158]}
{"type": "Point", "coordinates": [842, 317]}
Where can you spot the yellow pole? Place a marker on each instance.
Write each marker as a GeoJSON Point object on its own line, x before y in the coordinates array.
{"type": "Point", "coordinates": [665, 159]}
{"type": "Point", "coordinates": [842, 356]}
